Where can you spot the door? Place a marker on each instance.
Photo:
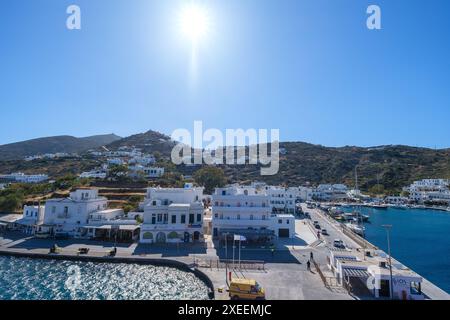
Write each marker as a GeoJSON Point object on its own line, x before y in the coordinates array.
{"type": "Point", "coordinates": [384, 288]}
{"type": "Point", "coordinates": [283, 233]}
{"type": "Point", "coordinates": [161, 237]}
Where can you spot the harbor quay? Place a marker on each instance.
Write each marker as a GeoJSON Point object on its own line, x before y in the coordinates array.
{"type": "Point", "coordinates": [282, 270]}
{"type": "Point", "coordinates": [276, 271]}
{"type": "Point", "coordinates": [259, 233]}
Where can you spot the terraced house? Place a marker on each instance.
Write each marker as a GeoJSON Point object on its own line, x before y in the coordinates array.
{"type": "Point", "coordinates": [172, 215]}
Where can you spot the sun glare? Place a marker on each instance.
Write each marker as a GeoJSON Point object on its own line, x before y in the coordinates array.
{"type": "Point", "coordinates": [194, 22]}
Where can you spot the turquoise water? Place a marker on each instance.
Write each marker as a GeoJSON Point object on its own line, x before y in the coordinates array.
{"type": "Point", "coordinates": [35, 279]}
{"type": "Point", "coordinates": [420, 239]}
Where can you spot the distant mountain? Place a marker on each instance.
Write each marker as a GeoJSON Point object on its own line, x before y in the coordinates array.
{"type": "Point", "coordinates": [150, 141]}
{"type": "Point", "coordinates": [55, 144]}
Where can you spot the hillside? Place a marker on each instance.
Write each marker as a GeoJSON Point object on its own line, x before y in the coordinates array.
{"type": "Point", "coordinates": [54, 144]}
{"type": "Point", "coordinates": [150, 141]}
{"type": "Point", "coordinates": [390, 166]}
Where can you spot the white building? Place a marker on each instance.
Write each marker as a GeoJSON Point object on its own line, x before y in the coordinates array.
{"type": "Point", "coordinates": [247, 211]}
{"type": "Point", "coordinates": [32, 218]}
{"type": "Point", "coordinates": [330, 192]}
{"type": "Point", "coordinates": [23, 178]}
{"type": "Point", "coordinates": [144, 160]}
{"type": "Point", "coordinates": [283, 200]}
{"type": "Point", "coordinates": [94, 174]}
{"type": "Point", "coordinates": [172, 215]}
{"type": "Point", "coordinates": [305, 193]}
{"type": "Point", "coordinates": [84, 214]}
{"type": "Point", "coordinates": [147, 172]}
{"type": "Point", "coordinates": [115, 161]}
{"type": "Point", "coordinates": [371, 274]}
{"type": "Point", "coordinates": [397, 200]}
{"type": "Point", "coordinates": [435, 190]}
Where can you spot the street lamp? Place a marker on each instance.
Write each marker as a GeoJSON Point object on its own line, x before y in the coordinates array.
{"type": "Point", "coordinates": [388, 227]}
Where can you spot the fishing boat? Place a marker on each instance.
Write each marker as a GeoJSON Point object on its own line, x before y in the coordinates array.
{"type": "Point", "coordinates": [378, 206]}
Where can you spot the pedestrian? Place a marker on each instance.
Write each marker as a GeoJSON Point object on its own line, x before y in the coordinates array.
{"type": "Point", "coordinates": [311, 256]}
{"type": "Point", "coordinates": [308, 265]}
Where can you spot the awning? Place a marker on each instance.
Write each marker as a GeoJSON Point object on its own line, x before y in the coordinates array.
{"type": "Point", "coordinates": [355, 273]}
{"type": "Point", "coordinates": [124, 227]}
{"type": "Point", "coordinates": [129, 227]}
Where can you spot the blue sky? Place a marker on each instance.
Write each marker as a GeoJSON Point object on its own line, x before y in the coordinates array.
{"type": "Point", "coordinates": [310, 68]}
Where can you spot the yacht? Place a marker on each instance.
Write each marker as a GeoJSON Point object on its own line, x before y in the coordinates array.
{"type": "Point", "coordinates": [356, 228]}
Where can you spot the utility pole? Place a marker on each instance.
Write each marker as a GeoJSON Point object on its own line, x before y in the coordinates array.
{"type": "Point", "coordinates": [391, 285]}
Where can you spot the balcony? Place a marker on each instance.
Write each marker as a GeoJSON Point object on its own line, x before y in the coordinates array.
{"type": "Point", "coordinates": [242, 222]}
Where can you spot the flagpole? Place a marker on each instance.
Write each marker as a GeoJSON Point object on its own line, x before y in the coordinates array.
{"type": "Point", "coordinates": [240, 252]}
{"type": "Point", "coordinates": [234, 245]}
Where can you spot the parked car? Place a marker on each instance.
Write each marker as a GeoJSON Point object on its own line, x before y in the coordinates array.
{"type": "Point", "coordinates": [318, 227]}
{"type": "Point", "coordinates": [337, 243]}
{"type": "Point", "coordinates": [325, 232]}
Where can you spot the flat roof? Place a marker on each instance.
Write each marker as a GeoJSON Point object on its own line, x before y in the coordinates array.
{"type": "Point", "coordinates": [129, 227]}
{"type": "Point", "coordinates": [8, 218]}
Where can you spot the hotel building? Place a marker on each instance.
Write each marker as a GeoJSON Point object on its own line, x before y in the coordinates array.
{"type": "Point", "coordinates": [246, 211]}
{"type": "Point", "coordinates": [172, 215]}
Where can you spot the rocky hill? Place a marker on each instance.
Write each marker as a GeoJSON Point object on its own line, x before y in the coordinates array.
{"type": "Point", "coordinates": [69, 144]}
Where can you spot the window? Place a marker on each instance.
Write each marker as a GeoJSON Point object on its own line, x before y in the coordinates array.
{"type": "Point", "coordinates": [251, 217]}
{"type": "Point", "coordinates": [216, 215]}
{"type": "Point", "coordinates": [174, 219]}
{"type": "Point", "coordinates": [153, 219]}
{"type": "Point", "coordinates": [280, 221]}
{"type": "Point", "coordinates": [66, 210]}
{"type": "Point", "coordinates": [239, 217]}
{"type": "Point", "coordinates": [183, 218]}
{"type": "Point", "coordinates": [53, 209]}
{"type": "Point", "coordinates": [191, 218]}
{"type": "Point", "coordinates": [264, 217]}
{"type": "Point", "coordinates": [199, 217]}
{"type": "Point", "coordinates": [160, 217]}
{"type": "Point", "coordinates": [287, 221]}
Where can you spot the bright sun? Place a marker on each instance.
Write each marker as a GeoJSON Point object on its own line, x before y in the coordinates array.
{"type": "Point", "coordinates": [194, 22]}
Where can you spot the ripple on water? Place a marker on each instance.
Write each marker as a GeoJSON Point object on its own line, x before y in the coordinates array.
{"type": "Point", "coordinates": [36, 279]}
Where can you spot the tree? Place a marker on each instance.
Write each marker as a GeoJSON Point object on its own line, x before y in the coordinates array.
{"type": "Point", "coordinates": [11, 202]}
{"type": "Point", "coordinates": [118, 172]}
{"type": "Point", "coordinates": [210, 178]}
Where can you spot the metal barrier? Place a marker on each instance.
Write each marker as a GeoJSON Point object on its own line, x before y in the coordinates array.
{"type": "Point", "coordinates": [229, 264]}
